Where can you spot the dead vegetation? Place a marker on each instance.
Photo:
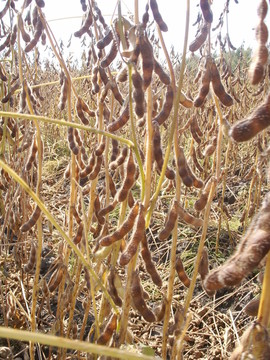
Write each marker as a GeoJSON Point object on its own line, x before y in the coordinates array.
{"type": "Point", "coordinates": [134, 217]}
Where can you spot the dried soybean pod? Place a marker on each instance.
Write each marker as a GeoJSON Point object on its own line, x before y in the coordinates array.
{"type": "Point", "coordinates": [138, 93]}
{"type": "Point", "coordinates": [32, 259]}
{"type": "Point", "coordinates": [145, 17]}
{"type": "Point", "coordinates": [108, 59]}
{"type": "Point", "coordinates": [202, 201]}
{"type": "Point", "coordinates": [196, 161]}
{"type": "Point", "coordinates": [218, 88]}
{"type": "Point", "coordinates": [94, 79]}
{"type": "Point", "coordinates": [163, 76]}
{"type": "Point", "coordinates": [185, 101]}
{"type": "Point", "coordinates": [125, 227]}
{"type": "Point", "coordinates": [112, 288]}
{"type": "Point", "coordinates": [253, 247]}
{"type": "Point", "coordinates": [203, 269]}
{"type": "Point", "coordinates": [138, 300]}
{"type": "Point", "coordinates": [13, 88]}
{"type": "Point", "coordinates": [135, 239]}
{"type": "Point", "coordinates": [200, 39]}
{"type": "Point", "coordinates": [64, 93]}
{"type": "Point", "coordinates": [147, 61]}
{"type": "Point", "coordinates": [157, 16]}
{"type": "Point", "coordinates": [75, 214]}
{"type": "Point", "coordinates": [56, 277]}
{"type": "Point", "coordinates": [206, 11]}
{"type": "Point", "coordinates": [86, 24]}
{"type": "Point", "coordinates": [167, 107]}
{"type": "Point", "coordinates": [5, 9]}
{"type": "Point", "coordinates": [205, 83]}
{"type": "Point", "coordinates": [149, 264]}
{"type": "Point", "coordinates": [101, 44]}
{"type": "Point", "coordinates": [88, 169]}
{"type": "Point", "coordinates": [25, 35]}
{"type": "Point", "coordinates": [158, 155]}
{"type": "Point", "coordinates": [103, 75]}
{"type": "Point", "coordinates": [32, 155]}
{"type": "Point", "coordinates": [80, 113]}
{"type": "Point", "coordinates": [122, 76]}
{"type": "Point", "coordinates": [71, 140]}
{"type": "Point", "coordinates": [251, 309]}
{"type": "Point", "coordinates": [101, 147]}
{"type": "Point", "coordinates": [170, 222]}
{"type": "Point", "coordinates": [259, 119]}
{"type": "Point", "coordinates": [13, 35]}
{"type": "Point", "coordinates": [97, 168]}
{"type": "Point", "coordinates": [116, 92]}
{"type": "Point", "coordinates": [107, 209]}
{"type": "Point", "coordinates": [32, 221]}
{"type": "Point", "coordinates": [120, 159]}
{"type": "Point", "coordinates": [179, 267]}
{"type": "Point", "coordinates": [79, 234]}
{"type": "Point", "coordinates": [159, 311]}
{"type": "Point", "coordinates": [121, 121]}
{"type": "Point", "coordinates": [112, 186]}
{"type": "Point", "coordinates": [187, 176]}
{"type": "Point", "coordinates": [128, 182]}
{"type": "Point", "coordinates": [193, 130]}
{"type": "Point", "coordinates": [106, 335]}
{"type": "Point", "coordinates": [189, 219]}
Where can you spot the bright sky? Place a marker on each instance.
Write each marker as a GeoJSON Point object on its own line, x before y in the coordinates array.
{"type": "Point", "coordinates": [242, 19]}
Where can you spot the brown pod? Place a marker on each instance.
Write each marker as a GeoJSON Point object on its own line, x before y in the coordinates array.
{"type": "Point", "coordinates": [193, 129]}
{"type": "Point", "coordinates": [149, 264]}
{"type": "Point", "coordinates": [95, 89]}
{"type": "Point", "coordinates": [97, 168]}
{"type": "Point", "coordinates": [116, 93]}
{"type": "Point", "coordinates": [32, 221]}
{"type": "Point", "coordinates": [88, 169]}
{"type": "Point", "coordinates": [203, 269]}
{"type": "Point", "coordinates": [167, 107]}
{"type": "Point", "coordinates": [25, 35]}
{"type": "Point", "coordinates": [5, 9]}
{"type": "Point", "coordinates": [101, 147]}
{"type": "Point", "coordinates": [205, 83]}
{"type": "Point", "coordinates": [251, 309]}
{"type": "Point", "coordinates": [75, 214]}
{"type": "Point", "coordinates": [187, 176]}
{"type": "Point", "coordinates": [103, 75]}
{"type": "Point", "coordinates": [252, 248]}
{"type": "Point", "coordinates": [106, 40]}
{"type": "Point", "coordinates": [261, 33]}
{"type": "Point", "coordinates": [128, 182]}
{"type": "Point", "coordinates": [135, 239]}
{"type": "Point", "coordinates": [200, 39]}
{"type": "Point", "coordinates": [120, 159]}
{"type": "Point", "coordinates": [196, 161]}
{"type": "Point", "coordinates": [218, 88]}
{"type": "Point", "coordinates": [259, 120]}
{"type": "Point", "coordinates": [122, 76]}
{"type": "Point", "coordinates": [40, 3]}
{"type": "Point", "coordinates": [124, 228]}
{"type": "Point", "coordinates": [159, 311]}
{"type": "Point", "coordinates": [64, 93]}
{"type": "Point", "coordinates": [78, 237]}
{"type": "Point", "coordinates": [115, 150]}
{"type": "Point", "coordinates": [202, 201]}
{"type": "Point", "coordinates": [262, 9]}
{"type": "Point", "coordinates": [163, 76]}
{"type": "Point", "coordinates": [179, 267]}
{"type": "Point", "coordinates": [147, 61]}
{"type": "Point", "coordinates": [189, 219]}
{"type": "Point", "coordinates": [206, 11]}
{"type": "Point", "coordinates": [112, 290]}
{"type": "Point", "coordinates": [121, 121]}
{"type": "Point", "coordinates": [138, 300]}
{"type": "Point", "coordinates": [170, 222]}
{"type": "Point", "coordinates": [138, 93]}
{"type": "Point", "coordinates": [110, 327]}
{"type": "Point", "coordinates": [12, 90]}
{"type": "Point", "coordinates": [32, 259]}
{"type": "Point", "coordinates": [71, 140]}
{"type": "Point", "coordinates": [157, 16]}
{"type": "Point", "coordinates": [107, 209]}
{"type": "Point", "coordinates": [86, 24]}
{"type": "Point", "coordinates": [80, 112]}
{"type": "Point", "coordinates": [57, 277]}
{"type": "Point", "coordinates": [112, 186]}
{"type": "Point", "coordinates": [32, 156]}
{"type": "Point", "coordinates": [108, 59]}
